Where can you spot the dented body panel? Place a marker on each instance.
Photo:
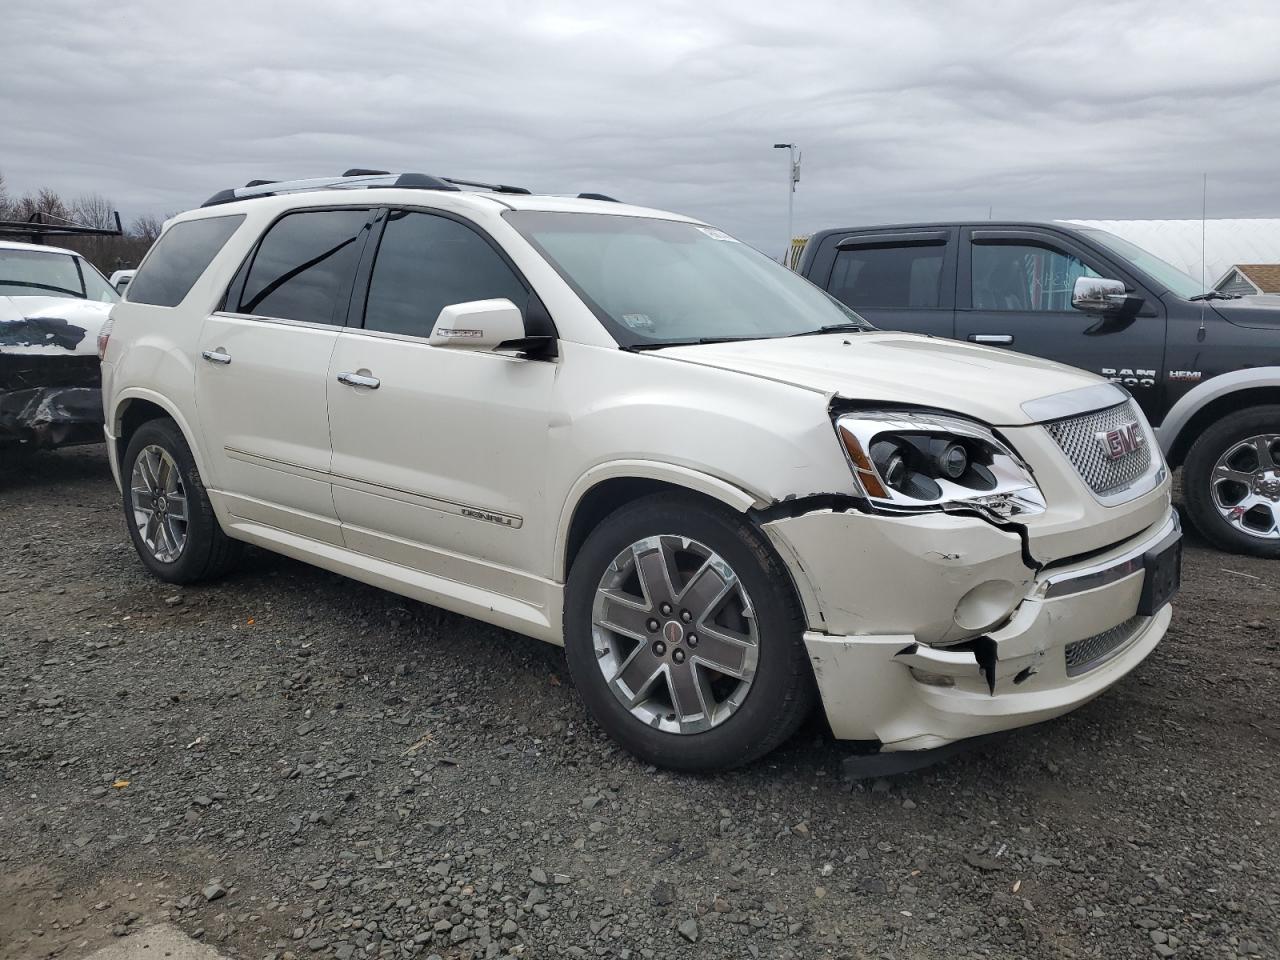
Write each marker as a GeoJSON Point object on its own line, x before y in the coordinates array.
{"type": "Point", "coordinates": [50, 385]}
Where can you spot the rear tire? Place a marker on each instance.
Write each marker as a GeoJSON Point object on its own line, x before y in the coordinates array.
{"type": "Point", "coordinates": [723, 578]}
{"type": "Point", "coordinates": [167, 509]}
{"type": "Point", "coordinates": [1222, 451]}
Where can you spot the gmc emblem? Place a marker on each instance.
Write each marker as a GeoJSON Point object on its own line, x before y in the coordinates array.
{"type": "Point", "coordinates": [1120, 442]}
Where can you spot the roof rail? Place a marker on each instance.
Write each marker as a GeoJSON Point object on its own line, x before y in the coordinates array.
{"type": "Point", "coordinates": [360, 181]}
{"type": "Point", "coordinates": [359, 178]}
{"type": "Point", "coordinates": [37, 227]}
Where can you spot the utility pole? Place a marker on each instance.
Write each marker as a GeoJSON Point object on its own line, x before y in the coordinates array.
{"type": "Point", "coordinates": [793, 177]}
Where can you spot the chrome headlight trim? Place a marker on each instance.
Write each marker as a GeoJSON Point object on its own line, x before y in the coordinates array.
{"type": "Point", "coordinates": [1015, 492]}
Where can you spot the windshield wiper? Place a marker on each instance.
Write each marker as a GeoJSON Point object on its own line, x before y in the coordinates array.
{"type": "Point", "coordinates": [692, 342]}
{"type": "Point", "coordinates": [1215, 295]}
{"type": "Point", "coordinates": [833, 328]}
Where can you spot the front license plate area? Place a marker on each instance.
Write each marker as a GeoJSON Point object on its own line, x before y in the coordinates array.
{"type": "Point", "coordinates": [1163, 577]}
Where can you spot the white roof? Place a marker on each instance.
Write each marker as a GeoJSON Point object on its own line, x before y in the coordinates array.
{"type": "Point", "coordinates": [1226, 242]}
{"type": "Point", "coordinates": [38, 247]}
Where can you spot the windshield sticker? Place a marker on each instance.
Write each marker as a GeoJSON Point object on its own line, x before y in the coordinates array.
{"type": "Point", "coordinates": [637, 321]}
{"type": "Point", "coordinates": [715, 234]}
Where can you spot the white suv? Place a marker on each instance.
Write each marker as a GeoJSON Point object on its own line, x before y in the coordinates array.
{"type": "Point", "coordinates": [623, 431]}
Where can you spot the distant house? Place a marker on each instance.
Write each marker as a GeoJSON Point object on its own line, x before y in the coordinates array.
{"type": "Point", "coordinates": [1247, 279]}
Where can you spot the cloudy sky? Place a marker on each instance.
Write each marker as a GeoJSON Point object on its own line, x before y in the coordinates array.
{"type": "Point", "coordinates": [903, 110]}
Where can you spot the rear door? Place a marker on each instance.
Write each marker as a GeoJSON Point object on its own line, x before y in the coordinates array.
{"type": "Point", "coordinates": [261, 374]}
{"type": "Point", "coordinates": [439, 455]}
{"type": "Point", "coordinates": [899, 280]}
{"type": "Point", "coordinates": [1015, 292]}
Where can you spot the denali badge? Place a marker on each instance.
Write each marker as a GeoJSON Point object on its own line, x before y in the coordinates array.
{"type": "Point", "coordinates": [1121, 441]}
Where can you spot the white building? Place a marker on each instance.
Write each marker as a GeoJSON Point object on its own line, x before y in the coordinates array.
{"type": "Point", "coordinates": [1227, 243]}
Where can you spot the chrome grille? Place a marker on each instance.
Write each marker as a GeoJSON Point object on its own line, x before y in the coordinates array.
{"type": "Point", "coordinates": [1078, 439]}
{"type": "Point", "coordinates": [1084, 655]}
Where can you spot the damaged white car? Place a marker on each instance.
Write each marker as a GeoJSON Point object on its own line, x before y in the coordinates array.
{"type": "Point", "coordinates": [53, 304]}
{"type": "Point", "coordinates": [621, 430]}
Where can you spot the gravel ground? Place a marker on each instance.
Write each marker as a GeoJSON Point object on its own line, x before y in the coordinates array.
{"type": "Point", "coordinates": [287, 763]}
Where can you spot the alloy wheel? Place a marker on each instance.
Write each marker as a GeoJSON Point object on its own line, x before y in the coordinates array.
{"type": "Point", "coordinates": [675, 634]}
{"type": "Point", "coordinates": [1245, 485]}
{"type": "Point", "coordinates": [159, 502]}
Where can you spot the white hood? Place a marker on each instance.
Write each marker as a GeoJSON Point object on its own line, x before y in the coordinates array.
{"type": "Point", "coordinates": [983, 382]}
{"type": "Point", "coordinates": [52, 326]}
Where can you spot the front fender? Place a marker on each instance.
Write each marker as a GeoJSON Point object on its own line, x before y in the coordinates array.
{"type": "Point", "coordinates": [1202, 394]}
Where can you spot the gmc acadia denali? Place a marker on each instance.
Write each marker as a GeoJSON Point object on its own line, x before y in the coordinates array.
{"type": "Point", "coordinates": [623, 431]}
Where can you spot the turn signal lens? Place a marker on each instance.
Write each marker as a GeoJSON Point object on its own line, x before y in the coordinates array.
{"type": "Point", "coordinates": [104, 334]}
{"type": "Point", "coordinates": [866, 471]}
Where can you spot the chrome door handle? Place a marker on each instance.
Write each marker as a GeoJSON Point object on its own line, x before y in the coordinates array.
{"type": "Point", "coordinates": [1000, 338]}
{"type": "Point", "coordinates": [359, 380]}
{"type": "Point", "coordinates": [216, 356]}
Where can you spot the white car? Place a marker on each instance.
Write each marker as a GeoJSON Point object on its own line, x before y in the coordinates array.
{"type": "Point", "coordinates": [623, 431]}
{"type": "Point", "coordinates": [120, 279]}
{"type": "Point", "coordinates": [53, 304]}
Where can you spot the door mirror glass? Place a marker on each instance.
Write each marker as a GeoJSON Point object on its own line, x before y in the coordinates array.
{"type": "Point", "coordinates": [478, 325]}
{"type": "Point", "coordinates": [1098, 295]}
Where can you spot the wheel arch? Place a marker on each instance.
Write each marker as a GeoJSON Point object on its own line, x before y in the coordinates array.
{"type": "Point", "coordinates": [138, 406]}
{"type": "Point", "coordinates": [608, 486]}
{"type": "Point", "coordinates": [1211, 401]}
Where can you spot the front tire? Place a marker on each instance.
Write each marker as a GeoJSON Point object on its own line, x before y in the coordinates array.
{"type": "Point", "coordinates": [1231, 482]}
{"type": "Point", "coordinates": [167, 509]}
{"type": "Point", "coordinates": [683, 635]}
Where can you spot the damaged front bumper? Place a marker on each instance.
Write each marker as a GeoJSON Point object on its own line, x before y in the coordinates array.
{"type": "Point", "coordinates": [927, 630]}
{"type": "Point", "coordinates": [49, 401]}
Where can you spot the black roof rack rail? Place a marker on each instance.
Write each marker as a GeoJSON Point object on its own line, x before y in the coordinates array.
{"type": "Point", "coordinates": [495, 187]}
{"type": "Point", "coordinates": [362, 178]}
{"type": "Point", "coordinates": [37, 227]}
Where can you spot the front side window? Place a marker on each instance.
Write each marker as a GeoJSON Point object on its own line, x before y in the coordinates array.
{"type": "Point", "coordinates": [179, 257]}
{"type": "Point", "coordinates": [894, 277]}
{"type": "Point", "coordinates": [427, 262]}
{"type": "Point", "coordinates": [1024, 277]}
{"type": "Point", "coordinates": [655, 282]}
{"type": "Point", "coordinates": [304, 266]}
{"type": "Point", "coordinates": [35, 273]}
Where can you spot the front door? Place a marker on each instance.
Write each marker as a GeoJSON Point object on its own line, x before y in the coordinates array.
{"type": "Point", "coordinates": [1015, 292]}
{"type": "Point", "coordinates": [262, 369]}
{"type": "Point", "coordinates": [439, 455]}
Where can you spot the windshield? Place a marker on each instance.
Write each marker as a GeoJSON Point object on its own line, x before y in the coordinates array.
{"type": "Point", "coordinates": [654, 282]}
{"type": "Point", "coordinates": [35, 273]}
{"type": "Point", "coordinates": [1178, 283]}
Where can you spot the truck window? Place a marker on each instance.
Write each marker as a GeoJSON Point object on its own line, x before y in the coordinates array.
{"type": "Point", "coordinates": [1024, 277]}
{"type": "Point", "coordinates": [902, 277]}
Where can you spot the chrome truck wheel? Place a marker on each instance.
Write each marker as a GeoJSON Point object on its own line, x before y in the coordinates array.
{"type": "Point", "coordinates": [1231, 482]}
{"type": "Point", "coordinates": [1246, 485]}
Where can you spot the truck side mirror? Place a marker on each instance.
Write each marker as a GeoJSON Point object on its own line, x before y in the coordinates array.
{"type": "Point", "coordinates": [1099, 295]}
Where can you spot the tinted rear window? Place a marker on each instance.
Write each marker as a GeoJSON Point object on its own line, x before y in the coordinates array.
{"type": "Point", "coordinates": [304, 266]}
{"type": "Point", "coordinates": [178, 259]}
{"type": "Point", "coordinates": [899, 277]}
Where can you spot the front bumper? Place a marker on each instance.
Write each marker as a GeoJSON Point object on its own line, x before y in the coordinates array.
{"type": "Point", "coordinates": [899, 669]}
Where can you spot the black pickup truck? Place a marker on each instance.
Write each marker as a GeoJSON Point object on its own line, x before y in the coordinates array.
{"type": "Point", "coordinates": [1204, 366]}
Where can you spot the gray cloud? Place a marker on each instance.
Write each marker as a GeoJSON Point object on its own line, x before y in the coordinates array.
{"type": "Point", "coordinates": [904, 111]}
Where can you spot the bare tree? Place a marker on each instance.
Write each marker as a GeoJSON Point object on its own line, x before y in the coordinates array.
{"type": "Point", "coordinates": [146, 227]}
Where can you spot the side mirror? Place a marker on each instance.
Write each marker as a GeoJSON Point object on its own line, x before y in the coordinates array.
{"type": "Point", "coordinates": [1099, 295]}
{"type": "Point", "coordinates": [478, 325]}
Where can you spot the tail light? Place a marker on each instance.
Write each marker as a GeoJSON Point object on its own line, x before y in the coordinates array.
{"type": "Point", "coordinates": [104, 335]}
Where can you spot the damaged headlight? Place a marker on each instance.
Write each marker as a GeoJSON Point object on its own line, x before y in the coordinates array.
{"type": "Point", "coordinates": [907, 460]}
